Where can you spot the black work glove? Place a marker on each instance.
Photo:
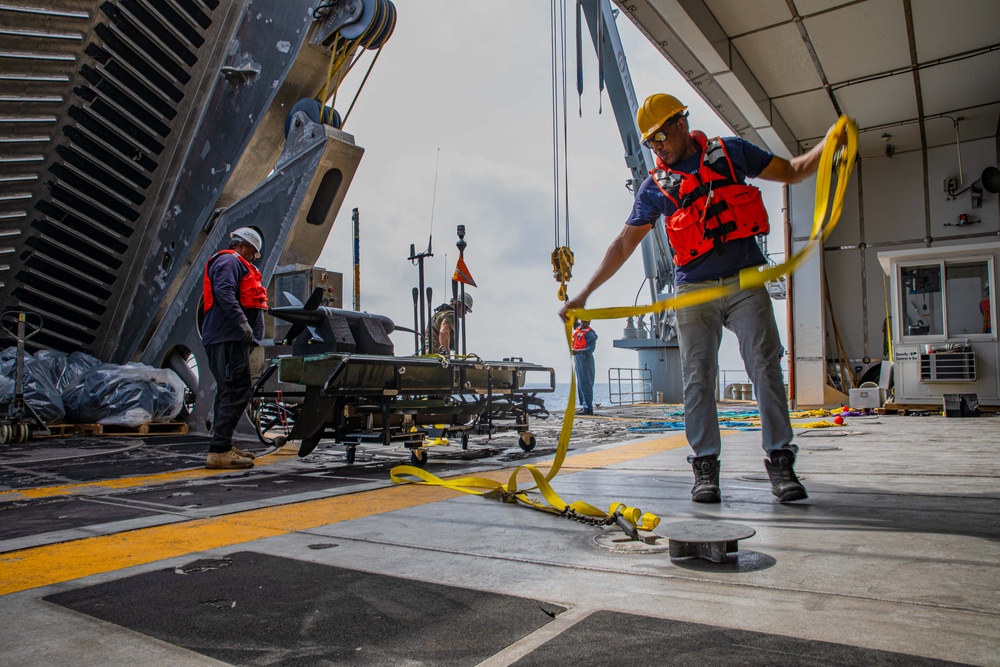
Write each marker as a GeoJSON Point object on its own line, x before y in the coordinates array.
{"type": "Point", "coordinates": [246, 331]}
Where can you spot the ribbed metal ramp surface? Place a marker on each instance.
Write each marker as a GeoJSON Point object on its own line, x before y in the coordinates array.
{"type": "Point", "coordinates": [91, 93]}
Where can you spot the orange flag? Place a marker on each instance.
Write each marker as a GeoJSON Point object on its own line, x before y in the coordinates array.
{"type": "Point", "coordinates": [462, 273]}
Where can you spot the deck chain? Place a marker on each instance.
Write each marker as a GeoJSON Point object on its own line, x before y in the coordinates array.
{"type": "Point", "coordinates": [588, 520]}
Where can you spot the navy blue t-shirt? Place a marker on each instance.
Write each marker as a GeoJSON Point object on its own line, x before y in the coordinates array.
{"type": "Point", "coordinates": [650, 203]}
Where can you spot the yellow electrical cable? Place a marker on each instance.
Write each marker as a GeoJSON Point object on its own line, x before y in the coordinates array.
{"type": "Point", "coordinates": [751, 277]}
{"type": "Point", "coordinates": [888, 324]}
{"type": "Point", "coordinates": [340, 54]}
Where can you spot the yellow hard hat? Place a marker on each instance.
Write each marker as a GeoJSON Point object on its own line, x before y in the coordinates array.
{"type": "Point", "coordinates": [655, 111]}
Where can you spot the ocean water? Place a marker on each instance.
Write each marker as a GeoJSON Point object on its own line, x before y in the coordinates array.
{"type": "Point", "coordinates": [558, 399]}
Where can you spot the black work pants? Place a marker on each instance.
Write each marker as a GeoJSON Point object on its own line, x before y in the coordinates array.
{"type": "Point", "coordinates": [230, 364]}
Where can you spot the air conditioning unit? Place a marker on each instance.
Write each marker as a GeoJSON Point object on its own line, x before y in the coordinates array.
{"type": "Point", "coordinates": [948, 367]}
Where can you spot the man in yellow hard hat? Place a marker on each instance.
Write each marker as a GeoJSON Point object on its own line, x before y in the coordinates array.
{"type": "Point", "coordinates": [712, 220]}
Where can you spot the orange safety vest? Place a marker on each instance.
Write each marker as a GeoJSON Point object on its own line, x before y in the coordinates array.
{"type": "Point", "coordinates": [712, 206]}
{"type": "Point", "coordinates": [252, 293]}
{"type": "Point", "coordinates": [580, 338]}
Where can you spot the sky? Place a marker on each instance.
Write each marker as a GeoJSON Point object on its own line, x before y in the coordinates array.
{"type": "Point", "coordinates": [462, 95]}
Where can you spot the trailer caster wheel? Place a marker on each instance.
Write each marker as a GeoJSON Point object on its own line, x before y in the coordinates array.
{"type": "Point", "coordinates": [465, 441]}
{"type": "Point", "coordinates": [526, 442]}
{"type": "Point", "coordinates": [418, 457]}
{"type": "Point", "coordinates": [351, 451]}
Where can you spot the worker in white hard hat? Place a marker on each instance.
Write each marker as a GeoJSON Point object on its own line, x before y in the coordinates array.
{"type": "Point", "coordinates": [438, 338]}
{"type": "Point", "coordinates": [712, 220]}
{"type": "Point", "coordinates": [234, 302]}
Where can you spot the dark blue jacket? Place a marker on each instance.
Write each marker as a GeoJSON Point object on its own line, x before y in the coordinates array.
{"type": "Point", "coordinates": [222, 321]}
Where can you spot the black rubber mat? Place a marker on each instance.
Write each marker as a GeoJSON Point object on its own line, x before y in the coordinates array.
{"type": "Point", "coordinates": [612, 638]}
{"type": "Point", "coordinates": [115, 466]}
{"type": "Point", "coordinates": [45, 516]}
{"type": "Point", "coordinates": [88, 459]}
{"type": "Point", "coordinates": [255, 609]}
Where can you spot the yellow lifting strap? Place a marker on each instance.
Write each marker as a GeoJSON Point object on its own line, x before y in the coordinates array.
{"type": "Point", "coordinates": [751, 277]}
{"type": "Point", "coordinates": [510, 493]}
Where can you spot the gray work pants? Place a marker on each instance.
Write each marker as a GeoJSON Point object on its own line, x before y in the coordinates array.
{"type": "Point", "coordinates": [749, 315]}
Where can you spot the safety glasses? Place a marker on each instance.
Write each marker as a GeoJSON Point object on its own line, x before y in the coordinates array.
{"type": "Point", "coordinates": [661, 134]}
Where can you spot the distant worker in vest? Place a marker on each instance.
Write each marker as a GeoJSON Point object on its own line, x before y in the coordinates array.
{"type": "Point", "coordinates": [984, 310]}
{"type": "Point", "coordinates": [235, 303]}
{"type": "Point", "coordinates": [584, 344]}
{"type": "Point", "coordinates": [712, 220]}
{"type": "Point", "coordinates": [440, 335]}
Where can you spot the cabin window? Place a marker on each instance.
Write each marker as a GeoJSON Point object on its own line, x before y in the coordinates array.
{"type": "Point", "coordinates": [968, 293]}
{"type": "Point", "coordinates": [922, 312]}
{"type": "Point", "coordinates": [947, 299]}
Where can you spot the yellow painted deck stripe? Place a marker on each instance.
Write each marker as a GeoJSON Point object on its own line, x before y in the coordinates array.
{"type": "Point", "coordinates": [66, 561]}
{"type": "Point", "coordinates": [137, 481]}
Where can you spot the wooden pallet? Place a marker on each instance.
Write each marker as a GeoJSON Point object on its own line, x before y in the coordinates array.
{"type": "Point", "coordinates": [59, 430]}
{"type": "Point", "coordinates": [166, 428]}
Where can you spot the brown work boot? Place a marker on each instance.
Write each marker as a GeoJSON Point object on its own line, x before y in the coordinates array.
{"type": "Point", "coordinates": [227, 461]}
{"type": "Point", "coordinates": [244, 453]}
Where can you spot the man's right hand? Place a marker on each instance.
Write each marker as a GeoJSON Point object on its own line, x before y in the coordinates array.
{"type": "Point", "coordinates": [579, 301]}
{"type": "Point", "coordinates": [246, 331]}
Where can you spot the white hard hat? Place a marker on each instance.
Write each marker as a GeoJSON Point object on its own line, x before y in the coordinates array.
{"type": "Point", "coordinates": [466, 302]}
{"type": "Point", "coordinates": [251, 236]}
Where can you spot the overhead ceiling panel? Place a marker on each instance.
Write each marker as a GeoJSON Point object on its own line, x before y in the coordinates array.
{"type": "Point", "coordinates": [879, 101]}
{"type": "Point", "coordinates": [961, 84]}
{"type": "Point", "coordinates": [658, 30]}
{"type": "Point", "coordinates": [942, 29]}
{"type": "Point", "coordinates": [975, 124]}
{"type": "Point", "coordinates": [737, 18]}
{"type": "Point", "coordinates": [697, 29]}
{"type": "Point", "coordinates": [777, 71]}
{"type": "Point", "coordinates": [901, 137]}
{"type": "Point", "coordinates": [860, 40]}
{"type": "Point", "coordinates": [806, 7]}
{"type": "Point", "coordinates": [807, 114]}
{"type": "Point", "coordinates": [780, 60]}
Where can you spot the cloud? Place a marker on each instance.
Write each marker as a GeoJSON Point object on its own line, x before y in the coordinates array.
{"type": "Point", "coordinates": [464, 89]}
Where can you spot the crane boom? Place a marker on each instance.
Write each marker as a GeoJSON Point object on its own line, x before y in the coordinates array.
{"type": "Point", "coordinates": [659, 268]}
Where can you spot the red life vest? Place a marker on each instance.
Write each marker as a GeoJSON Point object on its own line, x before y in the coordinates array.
{"type": "Point", "coordinates": [580, 338]}
{"type": "Point", "coordinates": [712, 206]}
{"type": "Point", "coordinates": [252, 294]}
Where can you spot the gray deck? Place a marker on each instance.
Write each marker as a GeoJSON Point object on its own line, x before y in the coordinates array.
{"type": "Point", "coordinates": [896, 550]}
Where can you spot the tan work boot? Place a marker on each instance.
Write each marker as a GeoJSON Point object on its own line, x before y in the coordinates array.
{"type": "Point", "coordinates": [227, 461]}
{"type": "Point", "coordinates": [242, 452]}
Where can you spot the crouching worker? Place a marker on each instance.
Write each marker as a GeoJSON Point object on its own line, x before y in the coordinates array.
{"type": "Point", "coordinates": [235, 302]}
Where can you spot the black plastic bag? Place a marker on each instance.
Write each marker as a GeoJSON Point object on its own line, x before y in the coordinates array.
{"type": "Point", "coordinates": [39, 388]}
{"type": "Point", "coordinates": [129, 395]}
